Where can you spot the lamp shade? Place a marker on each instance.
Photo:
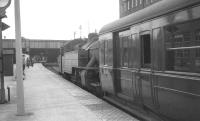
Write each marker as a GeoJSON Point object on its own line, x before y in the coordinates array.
{"type": "Point", "coordinates": [4, 3]}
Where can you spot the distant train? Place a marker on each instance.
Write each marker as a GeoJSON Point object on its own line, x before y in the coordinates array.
{"type": "Point", "coordinates": [150, 60]}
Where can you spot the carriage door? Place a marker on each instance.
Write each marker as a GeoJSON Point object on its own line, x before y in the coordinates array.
{"type": "Point", "coordinates": [144, 75]}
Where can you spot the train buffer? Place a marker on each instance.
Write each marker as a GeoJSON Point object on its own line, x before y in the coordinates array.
{"type": "Point", "coordinates": [48, 96]}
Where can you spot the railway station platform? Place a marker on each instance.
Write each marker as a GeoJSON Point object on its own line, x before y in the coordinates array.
{"type": "Point", "coordinates": [49, 97]}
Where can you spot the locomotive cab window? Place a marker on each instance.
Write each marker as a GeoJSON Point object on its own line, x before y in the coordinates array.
{"type": "Point", "coordinates": [145, 50]}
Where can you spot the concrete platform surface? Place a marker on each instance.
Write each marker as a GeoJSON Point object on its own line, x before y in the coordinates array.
{"type": "Point", "coordinates": [49, 97]}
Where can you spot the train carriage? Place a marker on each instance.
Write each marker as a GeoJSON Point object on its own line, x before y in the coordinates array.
{"type": "Point", "coordinates": [151, 58]}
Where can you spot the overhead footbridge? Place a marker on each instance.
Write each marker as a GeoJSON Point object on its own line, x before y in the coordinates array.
{"type": "Point", "coordinates": [41, 50]}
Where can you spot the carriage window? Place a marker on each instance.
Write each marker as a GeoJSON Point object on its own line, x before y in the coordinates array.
{"type": "Point", "coordinates": [109, 53]}
{"type": "Point", "coordinates": [146, 51]}
{"type": "Point", "coordinates": [106, 50]}
{"type": "Point", "coordinates": [178, 55]}
{"type": "Point", "coordinates": [182, 60]}
{"type": "Point", "coordinates": [182, 48]}
{"type": "Point", "coordinates": [132, 50]}
{"type": "Point", "coordinates": [124, 44]}
{"type": "Point", "coordinates": [102, 52]}
{"type": "Point", "coordinates": [197, 51]}
{"type": "Point", "coordinates": [197, 37]}
{"type": "Point", "coordinates": [124, 51]}
{"type": "Point", "coordinates": [197, 59]}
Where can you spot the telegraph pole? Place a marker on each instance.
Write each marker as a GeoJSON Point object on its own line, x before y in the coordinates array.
{"type": "Point", "coordinates": [80, 30]}
{"type": "Point", "coordinates": [74, 35]}
{"type": "Point", "coordinates": [19, 72]}
{"type": "Point", "coordinates": [88, 27]}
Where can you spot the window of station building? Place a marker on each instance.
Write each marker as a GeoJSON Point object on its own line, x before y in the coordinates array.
{"type": "Point", "coordinates": [141, 2]}
{"type": "Point", "coordinates": [133, 3]}
{"type": "Point", "coordinates": [145, 50]}
{"type": "Point", "coordinates": [128, 5]}
{"type": "Point", "coordinates": [124, 5]}
{"type": "Point", "coordinates": [136, 3]}
{"type": "Point", "coordinates": [147, 2]}
{"type": "Point", "coordinates": [182, 48]}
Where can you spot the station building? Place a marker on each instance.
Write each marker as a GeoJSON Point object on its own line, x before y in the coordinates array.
{"type": "Point", "coordinates": [127, 7]}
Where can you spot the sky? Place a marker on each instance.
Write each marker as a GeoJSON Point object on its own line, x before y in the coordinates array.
{"type": "Point", "coordinates": [60, 19]}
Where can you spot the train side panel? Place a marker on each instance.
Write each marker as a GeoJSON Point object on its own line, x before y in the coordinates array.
{"type": "Point", "coordinates": [156, 63]}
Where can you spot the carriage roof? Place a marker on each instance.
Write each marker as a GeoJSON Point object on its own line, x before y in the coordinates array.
{"type": "Point", "coordinates": [155, 10]}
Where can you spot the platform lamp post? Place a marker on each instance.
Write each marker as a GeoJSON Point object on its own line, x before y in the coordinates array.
{"type": "Point", "coordinates": [3, 5]}
{"type": "Point", "coordinates": [19, 72]}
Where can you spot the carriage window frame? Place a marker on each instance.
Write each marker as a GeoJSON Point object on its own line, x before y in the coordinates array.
{"type": "Point", "coordinates": [124, 51]}
{"type": "Point", "coordinates": [105, 51]}
{"type": "Point", "coordinates": [102, 52]}
{"type": "Point", "coordinates": [157, 48]}
{"type": "Point", "coordinates": [186, 56]}
{"type": "Point", "coordinates": [132, 50]}
{"type": "Point", "coordinates": [108, 52]}
{"type": "Point", "coordinates": [145, 54]}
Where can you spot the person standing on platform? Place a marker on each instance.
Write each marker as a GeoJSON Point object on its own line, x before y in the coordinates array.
{"type": "Point", "coordinates": [28, 62]}
{"type": "Point", "coordinates": [24, 64]}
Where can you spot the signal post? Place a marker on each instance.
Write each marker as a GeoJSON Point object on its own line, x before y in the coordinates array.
{"type": "Point", "coordinates": [3, 5]}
